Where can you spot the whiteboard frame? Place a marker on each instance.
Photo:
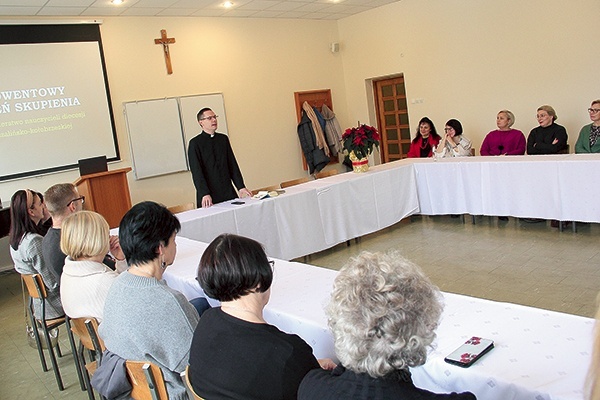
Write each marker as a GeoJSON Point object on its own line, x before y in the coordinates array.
{"type": "Point", "coordinates": [154, 122]}
{"type": "Point", "coordinates": [155, 137]}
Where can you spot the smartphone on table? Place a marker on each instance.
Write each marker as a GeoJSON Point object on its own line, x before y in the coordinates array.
{"type": "Point", "coordinates": [472, 350]}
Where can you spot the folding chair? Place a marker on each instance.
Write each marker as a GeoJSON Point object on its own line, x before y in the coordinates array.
{"type": "Point", "coordinates": [37, 290]}
{"type": "Point", "coordinates": [146, 380]}
{"type": "Point", "coordinates": [86, 329]}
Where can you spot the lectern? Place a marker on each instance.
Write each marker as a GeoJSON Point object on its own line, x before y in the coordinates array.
{"type": "Point", "coordinates": [106, 193]}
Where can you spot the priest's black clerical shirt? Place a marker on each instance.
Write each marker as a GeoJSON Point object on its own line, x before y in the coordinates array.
{"type": "Point", "coordinates": [214, 167]}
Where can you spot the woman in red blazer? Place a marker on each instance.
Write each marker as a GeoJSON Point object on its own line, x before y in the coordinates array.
{"type": "Point", "coordinates": [426, 139]}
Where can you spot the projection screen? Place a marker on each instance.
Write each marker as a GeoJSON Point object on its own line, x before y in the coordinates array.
{"type": "Point", "coordinates": [54, 99]}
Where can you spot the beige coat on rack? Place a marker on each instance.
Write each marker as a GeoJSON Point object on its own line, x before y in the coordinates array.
{"type": "Point", "coordinates": [319, 135]}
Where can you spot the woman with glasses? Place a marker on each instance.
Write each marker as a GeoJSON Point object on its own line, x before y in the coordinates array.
{"type": "Point", "coordinates": [453, 143]}
{"type": "Point", "coordinates": [235, 353]}
{"type": "Point", "coordinates": [26, 212]}
{"type": "Point", "coordinates": [549, 137]}
{"type": "Point", "coordinates": [588, 142]}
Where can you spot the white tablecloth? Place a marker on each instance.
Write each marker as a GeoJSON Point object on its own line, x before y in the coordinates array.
{"type": "Point", "coordinates": [562, 187]}
{"type": "Point", "coordinates": [539, 354]}
{"type": "Point", "coordinates": [319, 214]}
{"type": "Point", "coordinates": [313, 216]}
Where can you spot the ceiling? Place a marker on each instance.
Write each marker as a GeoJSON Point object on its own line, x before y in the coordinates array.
{"type": "Point", "coordinates": [301, 9]}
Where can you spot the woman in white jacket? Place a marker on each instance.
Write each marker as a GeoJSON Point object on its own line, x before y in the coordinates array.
{"type": "Point", "coordinates": [453, 143]}
{"type": "Point", "coordinates": [85, 280]}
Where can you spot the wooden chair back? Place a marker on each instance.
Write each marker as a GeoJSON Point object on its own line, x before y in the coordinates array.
{"type": "Point", "coordinates": [181, 208]}
{"type": "Point", "coordinates": [86, 329]}
{"type": "Point", "coordinates": [35, 286]}
{"type": "Point", "coordinates": [146, 380]}
{"type": "Point", "coordinates": [185, 376]}
{"type": "Point", "coordinates": [325, 174]}
{"type": "Point", "coordinates": [294, 182]}
{"type": "Point", "coordinates": [265, 189]}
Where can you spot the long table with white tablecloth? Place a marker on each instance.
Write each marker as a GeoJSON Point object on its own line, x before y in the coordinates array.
{"type": "Point", "coordinates": [539, 354]}
{"type": "Point", "coordinates": [562, 187]}
{"type": "Point", "coordinates": [317, 215]}
{"type": "Point", "coordinates": [313, 216]}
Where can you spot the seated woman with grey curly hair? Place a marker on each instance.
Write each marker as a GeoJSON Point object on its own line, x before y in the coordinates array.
{"type": "Point", "coordinates": [383, 314]}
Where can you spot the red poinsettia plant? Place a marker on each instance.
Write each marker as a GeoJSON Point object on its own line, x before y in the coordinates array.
{"type": "Point", "coordinates": [360, 140]}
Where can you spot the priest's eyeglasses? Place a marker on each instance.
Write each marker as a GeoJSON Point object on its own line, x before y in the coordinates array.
{"type": "Point", "coordinates": [210, 117]}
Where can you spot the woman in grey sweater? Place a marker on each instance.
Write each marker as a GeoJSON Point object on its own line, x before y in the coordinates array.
{"type": "Point", "coordinates": [144, 319]}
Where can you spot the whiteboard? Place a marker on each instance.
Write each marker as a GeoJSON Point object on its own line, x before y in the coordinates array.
{"type": "Point", "coordinates": [155, 137]}
{"type": "Point", "coordinates": [189, 107]}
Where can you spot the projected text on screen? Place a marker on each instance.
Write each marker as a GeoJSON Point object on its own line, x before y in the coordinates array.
{"type": "Point", "coordinates": [53, 107]}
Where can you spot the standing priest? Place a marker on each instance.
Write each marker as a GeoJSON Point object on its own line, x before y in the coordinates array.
{"type": "Point", "coordinates": [213, 164]}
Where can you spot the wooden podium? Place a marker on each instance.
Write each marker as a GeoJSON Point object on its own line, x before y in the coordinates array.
{"type": "Point", "coordinates": [106, 193]}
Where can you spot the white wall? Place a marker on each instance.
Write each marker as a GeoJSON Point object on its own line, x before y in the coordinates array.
{"type": "Point", "coordinates": [257, 65]}
{"type": "Point", "coordinates": [468, 59]}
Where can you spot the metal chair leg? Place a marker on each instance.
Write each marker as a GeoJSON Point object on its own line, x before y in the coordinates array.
{"type": "Point", "coordinates": [38, 342]}
{"type": "Point", "coordinates": [59, 381]}
{"type": "Point", "coordinates": [75, 354]}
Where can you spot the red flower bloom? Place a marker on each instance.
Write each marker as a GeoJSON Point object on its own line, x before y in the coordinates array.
{"type": "Point", "coordinates": [361, 140]}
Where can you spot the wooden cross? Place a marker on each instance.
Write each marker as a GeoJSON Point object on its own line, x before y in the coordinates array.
{"type": "Point", "coordinates": [166, 41]}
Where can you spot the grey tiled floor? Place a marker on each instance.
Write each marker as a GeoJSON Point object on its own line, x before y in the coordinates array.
{"type": "Point", "coordinates": [525, 263]}
{"type": "Point", "coordinates": [530, 264]}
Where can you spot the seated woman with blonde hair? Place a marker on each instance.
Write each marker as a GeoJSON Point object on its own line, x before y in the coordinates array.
{"type": "Point", "coordinates": [85, 280]}
{"type": "Point", "coordinates": [383, 314]}
{"type": "Point", "coordinates": [504, 141]}
{"type": "Point", "coordinates": [548, 137]}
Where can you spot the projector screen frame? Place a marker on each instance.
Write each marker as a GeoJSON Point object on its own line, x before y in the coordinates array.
{"type": "Point", "coordinates": [60, 32]}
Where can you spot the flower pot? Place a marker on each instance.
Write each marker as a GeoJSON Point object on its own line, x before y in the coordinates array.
{"type": "Point", "coordinates": [359, 165]}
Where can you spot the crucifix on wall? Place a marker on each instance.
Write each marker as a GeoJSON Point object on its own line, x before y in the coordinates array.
{"type": "Point", "coordinates": [166, 41]}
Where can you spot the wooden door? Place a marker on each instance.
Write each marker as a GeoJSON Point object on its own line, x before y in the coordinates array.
{"type": "Point", "coordinates": [316, 98]}
{"type": "Point", "coordinates": [392, 118]}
